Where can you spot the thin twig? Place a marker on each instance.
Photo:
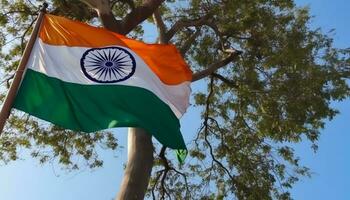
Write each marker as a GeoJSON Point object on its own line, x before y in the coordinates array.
{"type": "Point", "coordinates": [206, 130]}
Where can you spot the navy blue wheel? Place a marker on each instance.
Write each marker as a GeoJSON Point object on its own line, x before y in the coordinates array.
{"type": "Point", "coordinates": [108, 64]}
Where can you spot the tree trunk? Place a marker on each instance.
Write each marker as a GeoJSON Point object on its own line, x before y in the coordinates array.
{"type": "Point", "coordinates": [139, 166]}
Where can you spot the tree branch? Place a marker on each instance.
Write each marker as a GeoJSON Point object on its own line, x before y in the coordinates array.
{"type": "Point", "coordinates": [157, 18]}
{"type": "Point", "coordinates": [188, 43]}
{"type": "Point", "coordinates": [225, 80]}
{"type": "Point", "coordinates": [130, 21]}
{"type": "Point", "coordinates": [139, 14]}
{"type": "Point", "coordinates": [160, 173]}
{"type": "Point", "coordinates": [162, 177]}
{"type": "Point", "coordinates": [206, 20]}
{"type": "Point", "coordinates": [25, 33]}
{"type": "Point", "coordinates": [103, 9]}
{"type": "Point", "coordinates": [215, 66]}
{"type": "Point", "coordinates": [206, 133]}
{"type": "Point", "coordinates": [163, 158]}
{"type": "Point", "coordinates": [7, 80]}
{"type": "Point", "coordinates": [186, 23]}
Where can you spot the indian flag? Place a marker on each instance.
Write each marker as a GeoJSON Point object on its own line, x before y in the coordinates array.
{"type": "Point", "coordinates": [87, 79]}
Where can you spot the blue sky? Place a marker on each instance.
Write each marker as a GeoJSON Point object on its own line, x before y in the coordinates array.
{"type": "Point", "coordinates": [26, 179]}
{"type": "Point", "coordinates": [331, 164]}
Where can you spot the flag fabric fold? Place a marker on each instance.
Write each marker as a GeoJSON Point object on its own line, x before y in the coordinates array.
{"type": "Point", "coordinates": [88, 79]}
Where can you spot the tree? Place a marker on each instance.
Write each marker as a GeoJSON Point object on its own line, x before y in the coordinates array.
{"type": "Point", "coordinates": [270, 80]}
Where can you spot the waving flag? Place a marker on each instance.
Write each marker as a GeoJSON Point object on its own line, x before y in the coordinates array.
{"type": "Point", "coordinates": [87, 79]}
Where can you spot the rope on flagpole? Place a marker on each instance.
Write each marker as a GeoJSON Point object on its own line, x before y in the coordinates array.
{"type": "Point", "coordinates": [10, 97]}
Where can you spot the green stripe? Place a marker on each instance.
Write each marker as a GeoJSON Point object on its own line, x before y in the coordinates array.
{"type": "Point", "coordinates": [91, 108]}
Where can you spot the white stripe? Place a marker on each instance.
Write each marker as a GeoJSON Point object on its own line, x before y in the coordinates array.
{"type": "Point", "coordinates": [63, 62]}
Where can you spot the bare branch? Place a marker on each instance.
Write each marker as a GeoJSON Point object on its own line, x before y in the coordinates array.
{"type": "Point", "coordinates": [188, 194]}
{"type": "Point", "coordinates": [186, 23]}
{"type": "Point", "coordinates": [7, 80]}
{"type": "Point", "coordinates": [206, 132]}
{"type": "Point", "coordinates": [105, 14]}
{"type": "Point", "coordinates": [221, 34]}
{"type": "Point", "coordinates": [163, 158]}
{"type": "Point", "coordinates": [225, 80]}
{"type": "Point", "coordinates": [163, 176]}
{"type": "Point", "coordinates": [188, 43]}
{"type": "Point", "coordinates": [215, 66]}
{"type": "Point", "coordinates": [165, 172]}
{"type": "Point", "coordinates": [157, 18]}
{"type": "Point", "coordinates": [17, 11]}
{"type": "Point", "coordinates": [156, 183]}
{"type": "Point", "coordinates": [139, 14]}
{"type": "Point", "coordinates": [25, 33]}
{"type": "Point", "coordinates": [130, 21]}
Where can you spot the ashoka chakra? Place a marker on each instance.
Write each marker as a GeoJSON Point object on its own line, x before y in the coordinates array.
{"type": "Point", "coordinates": [108, 65]}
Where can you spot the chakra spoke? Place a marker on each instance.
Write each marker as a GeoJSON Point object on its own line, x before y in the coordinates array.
{"type": "Point", "coordinates": [102, 72]}
{"type": "Point", "coordinates": [113, 73]}
{"type": "Point", "coordinates": [122, 58]}
{"type": "Point", "coordinates": [95, 65]}
{"type": "Point", "coordinates": [122, 65]}
{"type": "Point", "coordinates": [105, 73]}
{"type": "Point", "coordinates": [94, 69]}
{"type": "Point", "coordinates": [105, 55]}
{"type": "Point", "coordinates": [97, 56]}
{"type": "Point", "coordinates": [100, 55]}
{"type": "Point", "coordinates": [122, 71]}
{"type": "Point", "coordinates": [116, 70]}
{"type": "Point", "coordinates": [95, 59]}
{"type": "Point", "coordinates": [109, 73]}
{"type": "Point", "coordinates": [123, 61]}
{"type": "Point", "coordinates": [115, 59]}
{"type": "Point", "coordinates": [113, 56]}
{"type": "Point", "coordinates": [109, 54]}
{"type": "Point", "coordinates": [99, 70]}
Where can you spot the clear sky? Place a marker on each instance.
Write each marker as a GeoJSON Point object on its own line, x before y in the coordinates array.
{"type": "Point", "coordinates": [26, 179]}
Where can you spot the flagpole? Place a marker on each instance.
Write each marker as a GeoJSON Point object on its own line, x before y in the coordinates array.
{"type": "Point", "coordinates": [10, 97]}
